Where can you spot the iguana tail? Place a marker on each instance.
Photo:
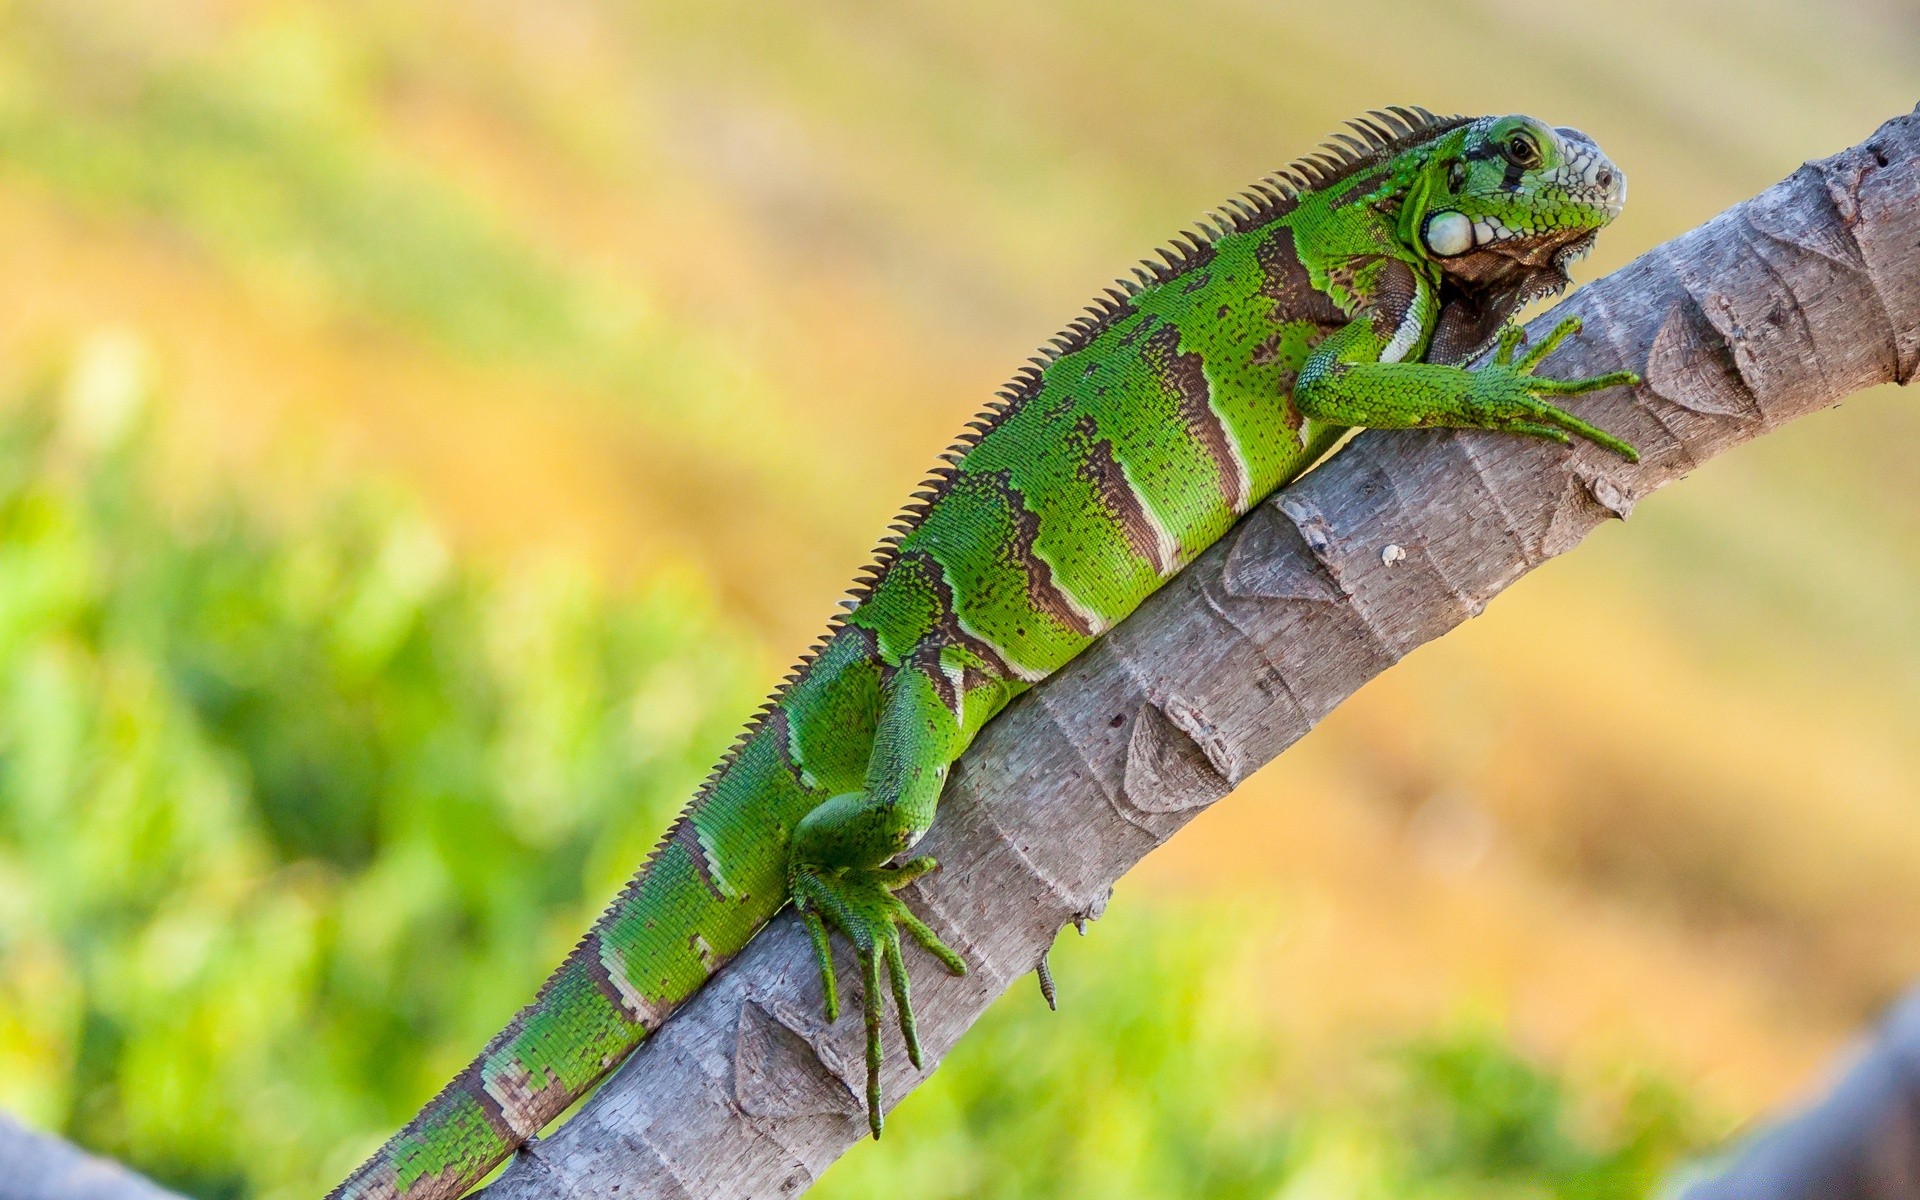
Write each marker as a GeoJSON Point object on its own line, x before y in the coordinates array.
{"type": "Point", "coordinates": [574, 1030]}
{"type": "Point", "coordinates": [586, 1019]}
{"type": "Point", "coordinates": [674, 925]}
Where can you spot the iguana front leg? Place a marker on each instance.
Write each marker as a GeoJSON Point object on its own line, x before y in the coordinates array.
{"type": "Point", "coordinates": [837, 872]}
{"type": "Point", "coordinates": [1345, 382]}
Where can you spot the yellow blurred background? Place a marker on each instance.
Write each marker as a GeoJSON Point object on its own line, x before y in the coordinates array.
{"type": "Point", "coordinates": [696, 290]}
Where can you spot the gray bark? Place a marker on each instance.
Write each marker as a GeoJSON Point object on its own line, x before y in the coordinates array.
{"type": "Point", "coordinates": [34, 1166]}
{"type": "Point", "coordinates": [1780, 306]}
{"type": "Point", "coordinates": [1861, 1142]}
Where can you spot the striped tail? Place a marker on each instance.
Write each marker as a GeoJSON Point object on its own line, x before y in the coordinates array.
{"type": "Point", "coordinates": [665, 935]}
{"type": "Point", "coordinates": [577, 1030]}
{"type": "Point", "coordinates": [676, 923]}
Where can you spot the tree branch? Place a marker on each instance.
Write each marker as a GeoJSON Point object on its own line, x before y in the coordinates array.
{"type": "Point", "coordinates": [1781, 306]}
{"type": "Point", "coordinates": [1861, 1142]}
{"type": "Point", "coordinates": [34, 1166]}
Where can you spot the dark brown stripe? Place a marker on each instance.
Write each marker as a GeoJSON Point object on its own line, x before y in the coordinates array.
{"type": "Point", "coordinates": [1395, 290]}
{"type": "Point", "coordinates": [1041, 588]}
{"type": "Point", "coordinates": [1027, 384]}
{"type": "Point", "coordinates": [533, 1101]}
{"type": "Point", "coordinates": [470, 1082]}
{"type": "Point", "coordinates": [1118, 498]}
{"type": "Point", "coordinates": [950, 633]}
{"type": "Point", "coordinates": [779, 726]}
{"type": "Point", "coordinates": [1145, 325]}
{"type": "Point", "coordinates": [687, 837]}
{"type": "Point", "coordinates": [926, 660]}
{"type": "Point", "coordinates": [592, 957]}
{"type": "Point", "coordinates": [1186, 374]}
{"type": "Point", "coordinates": [1285, 282]}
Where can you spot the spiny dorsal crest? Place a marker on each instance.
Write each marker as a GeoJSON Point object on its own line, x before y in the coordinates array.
{"type": "Point", "coordinates": [1375, 138]}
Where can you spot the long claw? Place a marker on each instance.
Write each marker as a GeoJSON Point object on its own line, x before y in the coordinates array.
{"type": "Point", "coordinates": [1535, 429]}
{"type": "Point", "coordinates": [903, 1002]}
{"type": "Point", "coordinates": [860, 903]}
{"type": "Point", "coordinates": [1532, 415]}
{"type": "Point", "coordinates": [822, 950]}
{"type": "Point", "coordinates": [893, 878]}
{"type": "Point", "coordinates": [1510, 337]}
{"type": "Point", "coordinates": [1577, 387]}
{"type": "Point", "coordinates": [870, 963]}
{"type": "Point", "coordinates": [1593, 433]}
{"type": "Point", "coordinates": [1548, 345]}
{"type": "Point", "coordinates": [929, 939]}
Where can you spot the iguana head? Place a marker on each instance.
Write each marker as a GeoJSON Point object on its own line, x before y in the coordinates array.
{"type": "Point", "coordinates": [1514, 189]}
{"type": "Point", "coordinates": [1502, 206]}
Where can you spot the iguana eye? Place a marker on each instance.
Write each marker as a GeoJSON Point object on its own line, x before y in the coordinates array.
{"type": "Point", "coordinates": [1521, 150]}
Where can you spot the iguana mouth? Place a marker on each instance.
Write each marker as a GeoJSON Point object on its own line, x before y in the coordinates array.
{"type": "Point", "coordinates": [1482, 289]}
{"type": "Point", "coordinates": [1502, 262]}
{"type": "Point", "coordinates": [1553, 281]}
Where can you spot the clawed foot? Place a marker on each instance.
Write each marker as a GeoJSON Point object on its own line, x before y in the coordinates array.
{"type": "Point", "coordinates": [1512, 392]}
{"type": "Point", "coordinates": [860, 903]}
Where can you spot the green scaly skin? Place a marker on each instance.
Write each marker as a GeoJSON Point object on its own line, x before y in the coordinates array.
{"type": "Point", "coordinates": [1331, 295]}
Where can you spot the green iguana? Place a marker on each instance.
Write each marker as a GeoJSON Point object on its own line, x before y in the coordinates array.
{"type": "Point", "coordinates": [1330, 295]}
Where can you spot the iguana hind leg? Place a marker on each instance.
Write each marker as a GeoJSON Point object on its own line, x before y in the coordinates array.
{"type": "Point", "coordinates": [838, 875]}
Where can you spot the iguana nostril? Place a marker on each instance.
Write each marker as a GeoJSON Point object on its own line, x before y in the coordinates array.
{"type": "Point", "coordinates": [1605, 179]}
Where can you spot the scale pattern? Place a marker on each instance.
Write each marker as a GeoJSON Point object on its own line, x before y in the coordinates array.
{"type": "Point", "coordinates": [1128, 446]}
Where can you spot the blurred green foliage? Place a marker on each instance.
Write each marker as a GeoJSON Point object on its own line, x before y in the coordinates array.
{"type": "Point", "coordinates": [294, 812]}
{"type": "Point", "coordinates": [290, 818]}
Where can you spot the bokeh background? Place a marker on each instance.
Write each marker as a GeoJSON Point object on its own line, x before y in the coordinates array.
{"type": "Point", "coordinates": [427, 427]}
